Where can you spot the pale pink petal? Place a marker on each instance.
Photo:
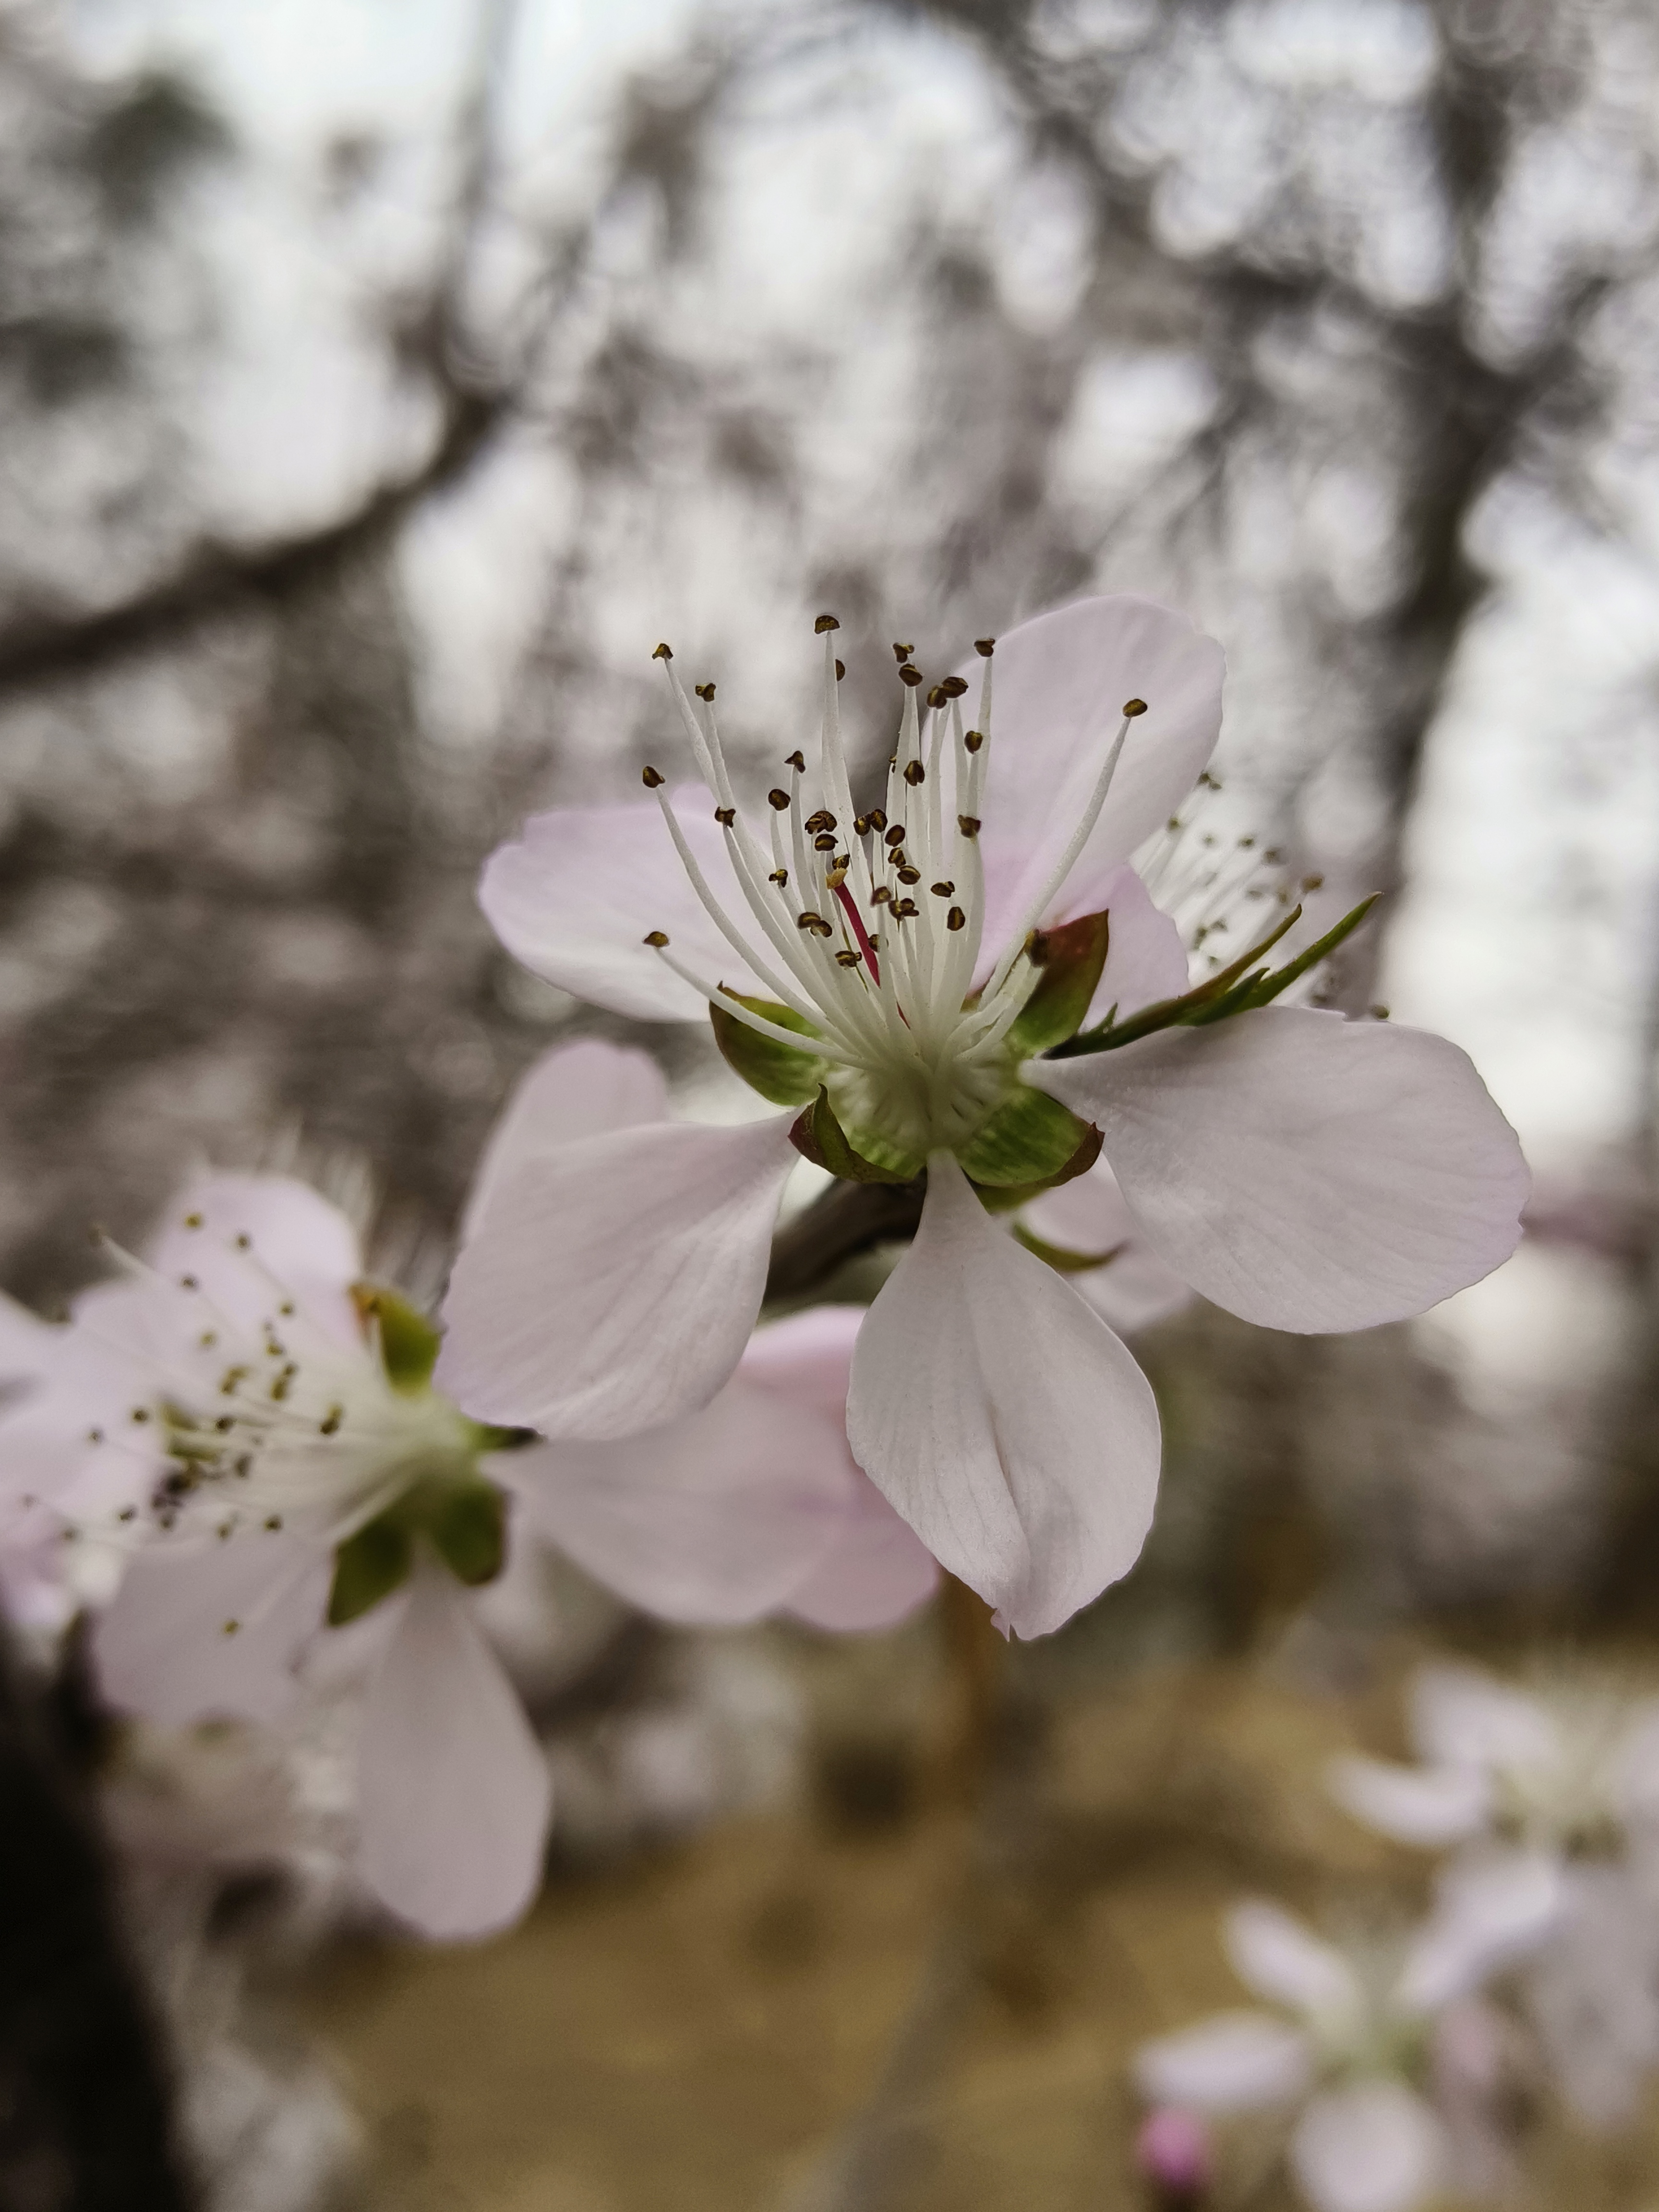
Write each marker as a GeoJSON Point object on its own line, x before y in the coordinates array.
{"type": "Point", "coordinates": [1636, 1766]}
{"type": "Point", "coordinates": [1229, 2064]}
{"type": "Point", "coordinates": [612, 1287]}
{"type": "Point", "coordinates": [576, 893]}
{"type": "Point", "coordinates": [453, 1790]}
{"type": "Point", "coordinates": [1133, 1288]}
{"type": "Point", "coordinates": [1061, 681]}
{"type": "Point", "coordinates": [1433, 1806]}
{"type": "Point", "coordinates": [260, 1240]}
{"type": "Point", "coordinates": [1146, 958]}
{"type": "Point", "coordinates": [1461, 1716]}
{"type": "Point", "coordinates": [1488, 1912]}
{"type": "Point", "coordinates": [1306, 1172]}
{"type": "Point", "coordinates": [166, 1646]}
{"type": "Point", "coordinates": [1277, 1957]}
{"type": "Point", "coordinates": [25, 1342]}
{"type": "Point", "coordinates": [1001, 1418]}
{"type": "Point", "coordinates": [1370, 2147]}
{"type": "Point", "coordinates": [718, 1517]}
{"type": "Point", "coordinates": [587, 1089]}
{"type": "Point", "coordinates": [876, 1570]}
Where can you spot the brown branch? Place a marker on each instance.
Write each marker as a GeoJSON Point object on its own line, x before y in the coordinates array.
{"type": "Point", "coordinates": [849, 1220]}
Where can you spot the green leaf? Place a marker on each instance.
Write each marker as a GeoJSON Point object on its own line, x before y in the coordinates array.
{"type": "Point", "coordinates": [1030, 1142]}
{"type": "Point", "coordinates": [1071, 958]}
{"type": "Point", "coordinates": [777, 1071]}
{"type": "Point", "coordinates": [466, 1522]}
{"type": "Point", "coordinates": [819, 1137]}
{"type": "Point", "coordinates": [369, 1566]}
{"type": "Point", "coordinates": [409, 1341]}
{"type": "Point", "coordinates": [1265, 992]}
{"type": "Point", "coordinates": [1057, 1257]}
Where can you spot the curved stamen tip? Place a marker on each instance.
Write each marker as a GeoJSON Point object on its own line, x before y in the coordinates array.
{"type": "Point", "coordinates": [663, 652]}
{"type": "Point", "coordinates": [657, 938]}
{"type": "Point", "coordinates": [824, 623]}
{"type": "Point", "coordinates": [652, 779]}
{"type": "Point", "coordinates": [1134, 707]}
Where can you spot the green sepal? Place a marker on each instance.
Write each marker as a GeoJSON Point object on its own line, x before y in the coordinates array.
{"type": "Point", "coordinates": [1071, 959]}
{"type": "Point", "coordinates": [1057, 1257]}
{"type": "Point", "coordinates": [1029, 1140]}
{"type": "Point", "coordinates": [409, 1341]}
{"type": "Point", "coordinates": [487, 1439]}
{"type": "Point", "coordinates": [369, 1566]}
{"type": "Point", "coordinates": [1262, 990]}
{"type": "Point", "coordinates": [467, 1524]}
{"type": "Point", "coordinates": [777, 1071]}
{"type": "Point", "coordinates": [819, 1137]}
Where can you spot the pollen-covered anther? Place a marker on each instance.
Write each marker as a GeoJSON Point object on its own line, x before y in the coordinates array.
{"type": "Point", "coordinates": [1312, 882]}
{"type": "Point", "coordinates": [814, 922]}
{"type": "Point", "coordinates": [968, 824]}
{"type": "Point", "coordinates": [657, 938]}
{"type": "Point", "coordinates": [823, 844]}
{"type": "Point", "coordinates": [880, 895]}
{"type": "Point", "coordinates": [936, 694]}
{"type": "Point", "coordinates": [726, 816]}
{"type": "Point", "coordinates": [841, 670]}
{"type": "Point", "coordinates": [955, 919]}
{"type": "Point", "coordinates": [876, 819]}
{"type": "Point", "coordinates": [895, 835]}
{"type": "Point", "coordinates": [848, 959]}
{"type": "Point", "coordinates": [905, 907]}
{"type": "Point", "coordinates": [823, 819]}
{"type": "Point", "coordinates": [835, 877]}
{"type": "Point", "coordinates": [909, 875]}
{"type": "Point", "coordinates": [985, 646]}
{"type": "Point", "coordinates": [778, 798]}
{"type": "Point", "coordinates": [902, 652]}
{"type": "Point", "coordinates": [193, 1220]}
{"type": "Point", "coordinates": [189, 1283]}
{"type": "Point", "coordinates": [330, 1424]}
{"type": "Point", "coordinates": [704, 690]}
{"type": "Point", "coordinates": [973, 740]}
{"type": "Point", "coordinates": [916, 772]}
{"type": "Point", "coordinates": [796, 760]}
{"type": "Point", "coordinates": [953, 687]}
{"type": "Point", "coordinates": [941, 891]}
{"type": "Point", "coordinates": [663, 652]}
{"type": "Point", "coordinates": [1134, 707]}
{"type": "Point", "coordinates": [910, 675]}
{"type": "Point", "coordinates": [824, 623]}
{"type": "Point", "coordinates": [780, 877]}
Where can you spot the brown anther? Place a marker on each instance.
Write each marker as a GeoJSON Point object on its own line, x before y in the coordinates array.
{"type": "Point", "coordinates": [192, 1221]}
{"type": "Point", "coordinates": [861, 824]}
{"type": "Point", "coordinates": [825, 843]}
{"type": "Point", "coordinates": [936, 695]}
{"type": "Point", "coordinates": [909, 875]}
{"type": "Point", "coordinates": [823, 624]}
{"type": "Point", "coordinates": [1377, 1013]}
{"type": "Point", "coordinates": [815, 922]}
{"type": "Point", "coordinates": [941, 891]}
{"type": "Point", "coordinates": [726, 816]}
{"type": "Point", "coordinates": [329, 1425]}
{"type": "Point", "coordinates": [895, 835]}
{"type": "Point", "coordinates": [704, 690]}
{"type": "Point", "coordinates": [974, 739]}
{"type": "Point", "coordinates": [778, 876]}
{"type": "Point", "coordinates": [141, 1413]}
{"type": "Point", "coordinates": [796, 761]}
{"type": "Point", "coordinates": [902, 652]}
{"type": "Point", "coordinates": [663, 652]}
{"type": "Point", "coordinates": [968, 824]}
{"type": "Point", "coordinates": [876, 819]}
{"type": "Point", "coordinates": [1312, 882]}
{"type": "Point", "coordinates": [778, 798]}
{"type": "Point", "coordinates": [841, 670]}
{"type": "Point", "coordinates": [273, 1521]}
{"type": "Point", "coordinates": [985, 646]}
{"type": "Point", "coordinates": [225, 1424]}
{"type": "Point", "coordinates": [880, 895]}
{"type": "Point", "coordinates": [1134, 707]}
{"type": "Point", "coordinates": [847, 958]}
{"type": "Point", "coordinates": [231, 1627]}
{"type": "Point", "coordinates": [823, 819]}
{"type": "Point", "coordinates": [955, 919]}
{"type": "Point", "coordinates": [915, 772]}
{"type": "Point", "coordinates": [954, 686]}
{"type": "Point", "coordinates": [910, 675]}
{"type": "Point", "coordinates": [243, 1243]}
{"type": "Point", "coordinates": [657, 937]}
{"type": "Point", "coordinates": [188, 1283]}
{"type": "Point", "coordinates": [905, 907]}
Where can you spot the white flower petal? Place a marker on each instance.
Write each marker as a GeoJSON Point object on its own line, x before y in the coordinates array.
{"type": "Point", "coordinates": [1372, 2147]}
{"type": "Point", "coordinates": [1001, 1418]}
{"type": "Point", "coordinates": [1488, 1912]}
{"type": "Point", "coordinates": [588, 1089]}
{"type": "Point", "coordinates": [26, 1342]}
{"type": "Point", "coordinates": [1306, 1172]}
{"type": "Point", "coordinates": [1464, 1717]}
{"type": "Point", "coordinates": [1433, 1806]}
{"type": "Point", "coordinates": [1061, 681]}
{"type": "Point", "coordinates": [1229, 2064]}
{"type": "Point", "coordinates": [575, 895]}
{"type": "Point", "coordinates": [453, 1790]}
{"type": "Point", "coordinates": [1277, 1957]}
{"type": "Point", "coordinates": [1146, 959]}
{"type": "Point", "coordinates": [719, 1517]}
{"type": "Point", "coordinates": [1636, 1766]}
{"type": "Point", "coordinates": [611, 1286]}
{"type": "Point", "coordinates": [164, 1647]}
{"type": "Point", "coordinates": [1134, 1289]}
{"type": "Point", "coordinates": [261, 1238]}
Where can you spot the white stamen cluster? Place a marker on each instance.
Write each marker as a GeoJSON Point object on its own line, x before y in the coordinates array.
{"type": "Point", "coordinates": [870, 925]}
{"type": "Point", "coordinates": [279, 1422]}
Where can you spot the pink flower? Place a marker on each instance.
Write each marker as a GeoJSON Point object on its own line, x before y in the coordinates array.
{"type": "Point", "coordinates": [879, 970]}
{"type": "Point", "coordinates": [260, 1428]}
{"type": "Point", "coordinates": [1172, 2150]}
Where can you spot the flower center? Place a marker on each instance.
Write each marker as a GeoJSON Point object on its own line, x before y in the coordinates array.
{"type": "Point", "coordinates": [868, 927]}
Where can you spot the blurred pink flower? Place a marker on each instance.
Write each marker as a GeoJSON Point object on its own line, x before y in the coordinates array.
{"type": "Point", "coordinates": [1348, 2063]}
{"type": "Point", "coordinates": [245, 1416]}
{"type": "Point", "coordinates": [1172, 2152]}
{"type": "Point", "coordinates": [1305, 1172]}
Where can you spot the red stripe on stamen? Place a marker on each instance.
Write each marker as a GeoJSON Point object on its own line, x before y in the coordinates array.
{"type": "Point", "coordinates": [859, 932]}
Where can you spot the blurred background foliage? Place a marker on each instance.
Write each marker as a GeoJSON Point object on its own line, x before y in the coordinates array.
{"type": "Point", "coordinates": [377, 384]}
